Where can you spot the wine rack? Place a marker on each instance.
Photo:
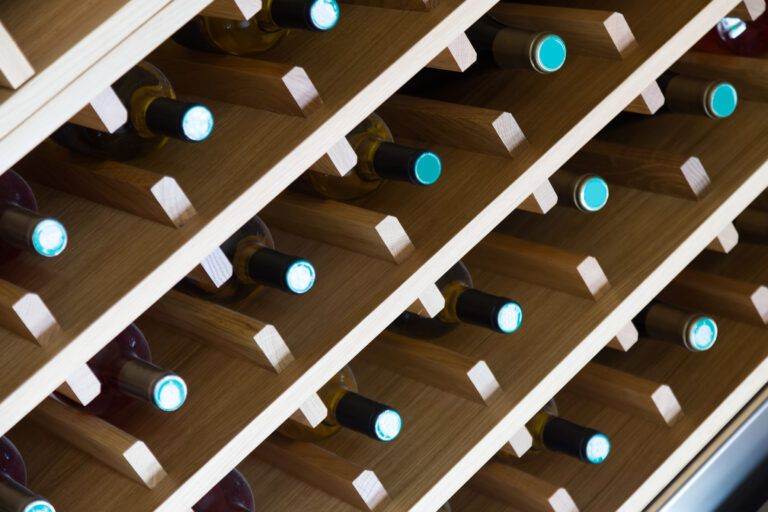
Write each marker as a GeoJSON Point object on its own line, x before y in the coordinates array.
{"type": "Point", "coordinates": [505, 139]}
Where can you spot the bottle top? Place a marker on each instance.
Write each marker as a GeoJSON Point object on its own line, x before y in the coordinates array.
{"type": "Point", "coordinates": [39, 506]}
{"type": "Point", "coordinates": [403, 163]}
{"type": "Point", "coordinates": [376, 420]}
{"type": "Point", "coordinates": [548, 53]}
{"type": "Point", "coordinates": [300, 276]}
{"type": "Point", "coordinates": [509, 317]}
{"type": "Point", "coordinates": [170, 393]}
{"type": "Point", "coordinates": [591, 193]}
{"type": "Point", "coordinates": [721, 100]}
{"type": "Point", "coordinates": [700, 333]}
{"type": "Point", "coordinates": [49, 237]}
{"type": "Point", "coordinates": [316, 15]}
{"type": "Point", "coordinates": [190, 122]}
{"type": "Point", "coordinates": [492, 311]}
{"type": "Point", "coordinates": [197, 123]}
{"type": "Point", "coordinates": [324, 14]}
{"type": "Point", "coordinates": [597, 448]}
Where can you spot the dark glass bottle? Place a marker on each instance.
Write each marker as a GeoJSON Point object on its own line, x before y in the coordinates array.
{"type": "Point", "coordinates": [509, 48]}
{"type": "Point", "coordinates": [698, 96]}
{"type": "Point", "coordinates": [378, 159]}
{"type": "Point", "coordinates": [14, 495]}
{"type": "Point", "coordinates": [21, 227]}
{"type": "Point", "coordinates": [463, 303]}
{"type": "Point", "coordinates": [694, 331]}
{"type": "Point", "coordinates": [154, 115]}
{"type": "Point", "coordinates": [266, 29]}
{"type": "Point", "coordinates": [585, 192]}
{"type": "Point", "coordinates": [736, 36]}
{"type": "Point", "coordinates": [126, 372]}
{"type": "Point", "coordinates": [348, 409]}
{"type": "Point", "coordinates": [553, 433]}
{"type": "Point", "coordinates": [231, 494]}
{"type": "Point", "coordinates": [256, 263]}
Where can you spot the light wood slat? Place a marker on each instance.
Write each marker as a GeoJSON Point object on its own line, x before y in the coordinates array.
{"type": "Point", "coordinates": [15, 69]}
{"type": "Point", "coordinates": [519, 444]}
{"type": "Point", "coordinates": [718, 295]}
{"type": "Point", "coordinates": [82, 386]}
{"type": "Point", "coordinates": [341, 224]}
{"type": "Point", "coordinates": [311, 412]}
{"type": "Point", "coordinates": [322, 469]}
{"type": "Point", "coordinates": [457, 56]}
{"type": "Point", "coordinates": [224, 329]}
{"type": "Point", "coordinates": [626, 392]}
{"type": "Point", "coordinates": [429, 302]}
{"type": "Point", "coordinates": [555, 268]}
{"type": "Point", "coordinates": [137, 191]}
{"type": "Point", "coordinates": [657, 171]}
{"type": "Point", "coordinates": [749, 9]}
{"type": "Point", "coordinates": [105, 113]}
{"type": "Point", "coordinates": [338, 161]}
{"type": "Point", "coordinates": [25, 314]}
{"type": "Point", "coordinates": [433, 365]}
{"type": "Point", "coordinates": [649, 101]}
{"type": "Point", "coordinates": [280, 88]}
{"type": "Point", "coordinates": [402, 5]}
{"type": "Point", "coordinates": [521, 490]}
{"type": "Point", "coordinates": [451, 124]}
{"type": "Point", "coordinates": [726, 240]}
{"type": "Point", "coordinates": [213, 271]}
{"type": "Point", "coordinates": [232, 9]}
{"type": "Point", "coordinates": [625, 338]}
{"type": "Point", "coordinates": [103, 441]}
{"type": "Point", "coordinates": [594, 32]}
{"type": "Point", "coordinates": [543, 199]}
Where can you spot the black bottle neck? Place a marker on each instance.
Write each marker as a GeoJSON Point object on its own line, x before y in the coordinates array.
{"type": "Point", "coordinates": [145, 381]}
{"type": "Point", "coordinates": [16, 497]}
{"type": "Point", "coordinates": [566, 437]}
{"type": "Point", "coordinates": [484, 309]}
{"type": "Point", "coordinates": [400, 163]}
{"type": "Point", "coordinates": [278, 270]}
{"type": "Point", "coordinates": [363, 415]}
{"type": "Point", "coordinates": [188, 122]}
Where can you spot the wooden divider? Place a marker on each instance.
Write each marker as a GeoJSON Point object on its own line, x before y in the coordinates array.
{"type": "Point", "coordinates": [105, 113]}
{"type": "Point", "coordinates": [15, 69]}
{"type": "Point", "coordinates": [457, 56]}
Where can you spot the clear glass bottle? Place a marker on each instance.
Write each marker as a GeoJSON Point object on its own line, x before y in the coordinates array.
{"type": "Point", "coordinates": [256, 263]}
{"type": "Point", "coordinates": [154, 115]}
{"type": "Point", "coordinates": [585, 192]}
{"type": "Point", "coordinates": [463, 303]}
{"type": "Point", "coordinates": [348, 409]}
{"type": "Point", "coordinates": [21, 227]}
{"type": "Point", "coordinates": [14, 495]}
{"type": "Point", "coordinates": [500, 46]}
{"type": "Point", "coordinates": [124, 367]}
{"type": "Point", "coordinates": [231, 494]}
{"type": "Point", "coordinates": [698, 96]}
{"type": "Point", "coordinates": [378, 159]}
{"type": "Point", "coordinates": [262, 32]}
{"type": "Point", "coordinates": [694, 331]}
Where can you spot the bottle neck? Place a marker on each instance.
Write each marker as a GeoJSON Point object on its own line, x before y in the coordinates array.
{"type": "Point", "coordinates": [312, 15]}
{"type": "Point", "coordinates": [402, 163]}
{"type": "Point", "coordinates": [145, 381]}
{"type": "Point", "coordinates": [257, 264]}
{"type": "Point", "coordinates": [666, 323]}
{"type": "Point", "coordinates": [510, 48]}
{"type": "Point", "coordinates": [690, 95]}
{"type": "Point", "coordinates": [560, 435]}
{"type": "Point", "coordinates": [476, 307]}
{"type": "Point", "coordinates": [184, 121]}
{"type": "Point", "coordinates": [363, 415]}
{"type": "Point", "coordinates": [27, 230]}
{"type": "Point", "coordinates": [17, 498]}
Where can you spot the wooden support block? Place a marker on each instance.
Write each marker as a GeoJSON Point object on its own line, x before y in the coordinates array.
{"type": "Point", "coordinates": [521, 490]}
{"type": "Point", "coordinates": [338, 161]}
{"type": "Point", "coordinates": [475, 129]}
{"type": "Point", "coordinates": [324, 470]}
{"type": "Point", "coordinates": [401, 5]}
{"type": "Point", "coordinates": [280, 88]}
{"type": "Point", "coordinates": [311, 412]}
{"type": "Point", "coordinates": [457, 56]}
{"type": "Point", "coordinates": [519, 444]}
{"type": "Point", "coordinates": [429, 303]}
{"type": "Point", "coordinates": [81, 386]}
{"type": "Point", "coordinates": [25, 314]}
{"type": "Point", "coordinates": [752, 226]}
{"type": "Point", "coordinates": [103, 441]}
{"type": "Point", "coordinates": [223, 329]}
{"type": "Point", "coordinates": [589, 31]}
{"type": "Point", "coordinates": [656, 171]}
{"type": "Point", "coordinates": [749, 10]}
{"type": "Point", "coordinates": [718, 295]}
{"type": "Point", "coordinates": [543, 199]}
{"type": "Point", "coordinates": [121, 186]}
{"type": "Point", "coordinates": [626, 392]}
{"type": "Point", "coordinates": [213, 271]}
{"type": "Point", "coordinates": [649, 101]}
{"type": "Point", "coordinates": [433, 365]}
{"type": "Point", "coordinates": [340, 224]}
{"type": "Point", "coordinates": [725, 241]}
{"type": "Point", "coordinates": [105, 113]}
{"type": "Point", "coordinates": [748, 74]}
{"type": "Point", "coordinates": [625, 338]}
{"type": "Point", "coordinates": [15, 69]}
{"type": "Point", "coordinates": [232, 9]}
{"type": "Point", "coordinates": [558, 269]}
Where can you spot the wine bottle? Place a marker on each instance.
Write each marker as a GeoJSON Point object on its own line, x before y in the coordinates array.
{"type": "Point", "coordinates": [22, 228]}
{"type": "Point", "coordinates": [154, 115]}
{"type": "Point", "coordinates": [463, 303]}
{"type": "Point", "coordinates": [508, 48]}
{"type": "Point", "coordinates": [349, 409]}
{"type": "Point", "coordinates": [737, 36]}
{"type": "Point", "coordinates": [231, 494]}
{"type": "Point", "coordinates": [694, 331]}
{"type": "Point", "coordinates": [256, 263]}
{"type": "Point", "coordinates": [262, 32]}
{"type": "Point", "coordinates": [688, 95]}
{"type": "Point", "coordinates": [14, 495]}
{"type": "Point", "coordinates": [126, 372]}
{"type": "Point", "coordinates": [585, 192]}
{"type": "Point", "coordinates": [379, 159]}
{"type": "Point", "coordinates": [556, 434]}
